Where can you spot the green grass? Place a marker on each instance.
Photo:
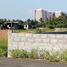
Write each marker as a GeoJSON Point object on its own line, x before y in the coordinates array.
{"type": "Point", "coordinates": [26, 31]}
{"type": "Point", "coordinates": [3, 48]}
{"type": "Point", "coordinates": [49, 30]}
{"type": "Point", "coordinates": [3, 43]}
{"type": "Point", "coordinates": [34, 30]}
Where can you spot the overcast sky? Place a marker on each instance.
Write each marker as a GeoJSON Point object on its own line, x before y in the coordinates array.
{"type": "Point", "coordinates": [24, 9]}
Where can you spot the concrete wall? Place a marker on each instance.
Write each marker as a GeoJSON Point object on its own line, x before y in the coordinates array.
{"type": "Point", "coordinates": [28, 41]}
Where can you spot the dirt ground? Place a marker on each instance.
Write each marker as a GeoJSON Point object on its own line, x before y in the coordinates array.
{"type": "Point", "coordinates": [3, 34]}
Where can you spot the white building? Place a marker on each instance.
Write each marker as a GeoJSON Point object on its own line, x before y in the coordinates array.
{"type": "Point", "coordinates": [58, 13]}
{"type": "Point", "coordinates": [44, 15]}
{"type": "Point", "coordinates": [40, 14]}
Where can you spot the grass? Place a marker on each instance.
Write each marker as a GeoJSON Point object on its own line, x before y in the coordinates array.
{"type": "Point", "coordinates": [24, 54]}
{"type": "Point", "coordinates": [34, 54]}
{"type": "Point", "coordinates": [3, 40]}
{"type": "Point", "coordinates": [35, 30]}
{"type": "Point", "coordinates": [26, 31]}
{"type": "Point", "coordinates": [49, 30]}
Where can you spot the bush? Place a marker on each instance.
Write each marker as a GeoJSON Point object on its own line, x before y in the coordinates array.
{"type": "Point", "coordinates": [38, 30]}
{"type": "Point", "coordinates": [3, 53]}
{"type": "Point", "coordinates": [19, 54]}
{"type": "Point", "coordinates": [3, 47]}
{"type": "Point", "coordinates": [46, 55]}
{"type": "Point", "coordinates": [34, 54]}
{"type": "Point", "coordinates": [24, 54]}
{"type": "Point", "coordinates": [53, 57]}
{"type": "Point", "coordinates": [16, 53]}
{"type": "Point", "coordinates": [63, 55]}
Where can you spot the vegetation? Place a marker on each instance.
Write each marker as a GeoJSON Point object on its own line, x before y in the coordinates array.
{"type": "Point", "coordinates": [19, 53]}
{"type": "Point", "coordinates": [3, 53]}
{"type": "Point", "coordinates": [34, 54]}
{"type": "Point", "coordinates": [3, 43]}
{"type": "Point", "coordinates": [64, 55]}
{"type": "Point", "coordinates": [53, 57]}
{"type": "Point", "coordinates": [24, 54]}
{"type": "Point", "coordinates": [27, 31]}
{"type": "Point", "coordinates": [60, 22]}
{"type": "Point", "coordinates": [37, 27]}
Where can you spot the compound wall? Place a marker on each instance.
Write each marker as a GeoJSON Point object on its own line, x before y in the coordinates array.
{"type": "Point", "coordinates": [28, 41]}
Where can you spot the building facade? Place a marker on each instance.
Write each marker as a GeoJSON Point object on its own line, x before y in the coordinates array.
{"type": "Point", "coordinates": [49, 15]}
{"type": "Point", "coordinates": [44, 15]}
{"type": "Point", "coordinates": [40, 14]}
{"type": "Point", "coordinates": [58, 13]}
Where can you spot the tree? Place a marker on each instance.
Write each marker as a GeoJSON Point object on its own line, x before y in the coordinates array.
{"type": "Point", "coordinates": [60, 22]}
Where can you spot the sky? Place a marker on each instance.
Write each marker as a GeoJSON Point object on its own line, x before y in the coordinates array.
{"type": "Point", "coordinates": [24, 9]}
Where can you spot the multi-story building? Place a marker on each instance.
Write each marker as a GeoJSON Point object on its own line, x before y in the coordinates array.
{"type": "Point", "coordinates": [40, 14]}
{"type": "Point", "coordinates": [49, 15]}
{"type": "Point", "coordinates": [58, 13]}
{"type": "Point", "coordinates": [44, 15]}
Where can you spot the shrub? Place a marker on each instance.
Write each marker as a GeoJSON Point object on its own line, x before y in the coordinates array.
{"type": "Point", "coordinates": [34, 54]}
{"type": "Point", "coordinates": [56, 57]}
{"type": "Point", "coordinates": [38, 30]}
{"type": "Point", "coordinates": [16, 53]}
{"type": "Point", "coordinates": [24, 54]}
{"type": "Point", "coordinates": [53, 57]}
{"type": "Point", "coordinates": [2, 53]}
{"type": "Point", "coordinates": [3, 47]}
{"type": "Point", "coordinates": [20, 54]}
{"type": "Point", "coordinates": [46, 55]}
{"type": "Point", "coordinates": [5, 52]}
{"type": "Point", "coordinates": [63, 55]}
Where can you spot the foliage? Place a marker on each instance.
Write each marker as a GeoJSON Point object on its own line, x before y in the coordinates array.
{"type": "Point", "coordinates": [2, 53]}
{"type": "Point", "coordinates": [60, 22]}
{"type": "Point", "coordinates": [33, 54]}
{"type": "Point", "coordinates": [24, 54]}
{"type": "Point", "coordinates": [15, 53]}
{"type": "Point", "coordinates": [19, 54]}
{"type": "Point", "coordinates": [64, 55]}
{"type": "Point", "coordinates": [50, 56]}
{"type": "Point", "coordinates": [3, 42]}
{"type": "Point", "coordinates": [46, 55]}
{"type": "Point", "coordinates": [55, 57]}
{"type": "Point", "coordinates": [38, 30]}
